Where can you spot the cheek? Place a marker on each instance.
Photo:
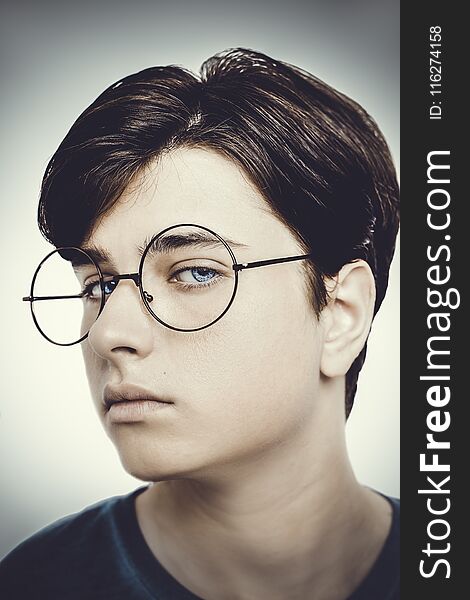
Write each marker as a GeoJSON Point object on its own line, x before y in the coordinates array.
{"type": "Point", "coordinates": [255, 372]}
{"type": "Point", "coordinates": [94, 366]}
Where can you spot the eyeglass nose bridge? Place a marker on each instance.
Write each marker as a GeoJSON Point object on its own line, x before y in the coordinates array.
{"type": "Point", "coordinates": [136, 279]}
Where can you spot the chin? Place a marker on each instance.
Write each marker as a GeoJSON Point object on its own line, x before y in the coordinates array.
{"type": "Point", "coordinates": [157, 465]}
{"type": "Point", "coordinates": [151, 473]}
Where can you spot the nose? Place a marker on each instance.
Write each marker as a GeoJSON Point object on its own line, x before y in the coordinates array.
{"type": "Point", "coordinates": [125, 327]}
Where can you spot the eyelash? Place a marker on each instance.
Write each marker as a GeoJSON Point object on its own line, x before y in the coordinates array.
{"type": "Point", "coordinates": [87, 290]}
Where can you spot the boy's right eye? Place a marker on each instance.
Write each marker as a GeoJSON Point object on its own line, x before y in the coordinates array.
{"type": "Point", "coordinates": [92, 289]}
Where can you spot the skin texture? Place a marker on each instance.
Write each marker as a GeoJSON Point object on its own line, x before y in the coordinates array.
{"type": "Point", "coordinates": [253, 494]}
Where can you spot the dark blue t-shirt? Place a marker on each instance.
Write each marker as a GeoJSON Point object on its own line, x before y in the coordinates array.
{"type": "Point", "coordinates": [100, 554]}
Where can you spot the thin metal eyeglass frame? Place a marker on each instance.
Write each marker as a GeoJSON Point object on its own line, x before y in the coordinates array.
{"type": "Point", "coordinates": [137, 279]}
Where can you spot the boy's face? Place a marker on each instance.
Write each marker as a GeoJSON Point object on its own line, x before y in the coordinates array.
{"type": "Point", "coordinates": [244, 385]}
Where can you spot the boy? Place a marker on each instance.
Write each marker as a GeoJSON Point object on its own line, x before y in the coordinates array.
{"type": "Point", "coordinates": [231, 237]}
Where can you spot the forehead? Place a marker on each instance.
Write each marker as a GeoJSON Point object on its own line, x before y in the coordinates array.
{"type": "Point", "coordinates": [190, 186]}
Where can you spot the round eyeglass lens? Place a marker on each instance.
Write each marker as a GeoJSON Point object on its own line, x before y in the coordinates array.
{"type": "Point", "coordinates": [67, 295]}
{"type": "Point", "coordinates": [187, 277]}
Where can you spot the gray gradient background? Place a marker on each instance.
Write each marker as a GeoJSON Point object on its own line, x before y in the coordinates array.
{"type": "Point", "coordinates": [55, 458]}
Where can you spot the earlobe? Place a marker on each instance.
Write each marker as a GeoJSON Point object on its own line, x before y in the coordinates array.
{"type": "Point", "coordinates": [347, 318]}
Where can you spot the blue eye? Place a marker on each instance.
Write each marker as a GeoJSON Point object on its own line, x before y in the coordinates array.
{"type": "Point", "coordinates": [196, 275]}
{"type": "Point", "coordinates": [92, 291]}
{"type": "Point", "coordinates": [109, 287]}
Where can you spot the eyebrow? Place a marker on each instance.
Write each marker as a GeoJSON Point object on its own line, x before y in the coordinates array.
{"type": "Point", "coordinates": [195, 239]}
{"type": "Point", "coordinates": [162, 245]}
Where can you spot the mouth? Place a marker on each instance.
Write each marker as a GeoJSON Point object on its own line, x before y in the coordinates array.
{"type": "Point", "coordinates": [128, 394]}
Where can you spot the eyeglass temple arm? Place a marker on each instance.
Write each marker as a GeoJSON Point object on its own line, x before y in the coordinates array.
{"type": "Point", "coordinates": [34, 298]}
{"type": "Point", "coordinates": [117, 278]}
{"type": "Point", "coordinates": [272, 261]}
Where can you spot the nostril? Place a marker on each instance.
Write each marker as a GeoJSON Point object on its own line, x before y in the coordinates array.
{"type": "Point", "coordinates": [125, 349]}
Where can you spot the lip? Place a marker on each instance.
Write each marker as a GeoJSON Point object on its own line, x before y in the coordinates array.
{"type": "Point", "coordinates": [136, 411]}
{"type": "Point", "coordinates": [128, 392]}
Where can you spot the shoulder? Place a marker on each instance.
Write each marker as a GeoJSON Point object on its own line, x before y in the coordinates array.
{"type": "Point", "coordinates": [386, 574]}
{"type": "Point", "coordinates": [394, 534]}
{"type": "Point", "coordinates": [390, 554]}
{"type": "Point", "coordinates": [383, 580]}
{"type": "Point", "coordinates": [395, 502]}
{"type": "Point", "coordinates": [73, 544]}
{"type": "Point", "coordinates": [82, 522]}
{"type": "Point", "coordinates": [395, 506]}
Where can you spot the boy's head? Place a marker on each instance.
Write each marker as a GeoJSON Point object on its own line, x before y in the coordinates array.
{"type": "Point", "coordinates": [315, 157]}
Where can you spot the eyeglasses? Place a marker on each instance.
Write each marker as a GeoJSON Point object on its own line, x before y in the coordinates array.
{"type": "Point", "coordinates": [187, 279]}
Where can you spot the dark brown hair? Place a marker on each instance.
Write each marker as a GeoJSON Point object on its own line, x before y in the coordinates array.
{"type": "Point", "coordinates": [315, 155]}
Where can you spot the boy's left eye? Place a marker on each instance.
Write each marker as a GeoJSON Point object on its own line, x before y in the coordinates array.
{"type": "Point", "coordinates": [196, 274]}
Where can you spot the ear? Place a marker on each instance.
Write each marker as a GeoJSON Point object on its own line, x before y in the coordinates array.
{"type": "Point", "coordinates": [347, 318]}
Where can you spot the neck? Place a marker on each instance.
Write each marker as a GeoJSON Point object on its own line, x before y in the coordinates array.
{"type": "Point", "coordinates": [286, 520]}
